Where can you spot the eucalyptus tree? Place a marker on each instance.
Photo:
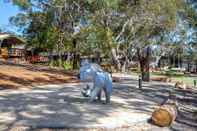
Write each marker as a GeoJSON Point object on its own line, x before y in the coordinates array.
{"type": "Point", "coordinates": [185, 32]}
{"type": "Point", "coordinates": [67, 16]}
{"type": "Point", "coordinates": [47, 16]}
{"type": "Point", "coordinates": [114, 26]}
{"type": "Point", "coordinates": [191, 16]}
{"type": "Point", "coordinates": [134, 24]}
{"type": "Point", "coordinates": [35, 22]}
{"type": "Point", "coordinates": [159, 48]}
{"type": "Point", "coordinates": [154, 18]}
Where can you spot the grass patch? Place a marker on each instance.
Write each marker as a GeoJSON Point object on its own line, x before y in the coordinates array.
{"type": "Point", "coordinates": [174, 75]}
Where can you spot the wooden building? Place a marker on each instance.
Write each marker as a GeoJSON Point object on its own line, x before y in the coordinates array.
{"type": "Point", "coordinates": [12, 49]}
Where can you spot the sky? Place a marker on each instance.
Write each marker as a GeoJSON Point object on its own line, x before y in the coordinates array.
{"type": "Point", "coordinates": [7, 10]}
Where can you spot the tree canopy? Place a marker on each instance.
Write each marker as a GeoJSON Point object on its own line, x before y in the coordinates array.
{"type": "Point", "coordinates": [119, 29]}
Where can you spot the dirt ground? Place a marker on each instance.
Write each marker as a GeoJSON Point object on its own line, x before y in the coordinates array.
{"type": "Point", "coordinates": [28, 76]}
{"type": "Point", "coordinates": [59, 106]}
{"type": "Point", "coordinates": [62, 107]}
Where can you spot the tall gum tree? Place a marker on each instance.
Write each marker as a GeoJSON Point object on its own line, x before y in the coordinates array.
{"type": "Point", "coordinates": [135, 22]}
{"type": "Point", "coordinates": [128, 25]}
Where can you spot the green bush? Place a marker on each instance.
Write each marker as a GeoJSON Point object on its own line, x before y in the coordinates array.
{"type": "Point", "coordinates": [67, 65]}
{"type": "Point", "coordinates": [54, 63]}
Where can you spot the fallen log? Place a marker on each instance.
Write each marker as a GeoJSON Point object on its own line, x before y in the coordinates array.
{"type": "Point", "coordinates": [165, 114]}
{"type": "Point", "coordinates": [180, 85]}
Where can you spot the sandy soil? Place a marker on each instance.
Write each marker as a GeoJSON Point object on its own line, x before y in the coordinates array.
{"type": "Point", "coordinates": [28, 76]}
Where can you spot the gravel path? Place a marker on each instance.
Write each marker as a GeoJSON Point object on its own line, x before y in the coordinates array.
{"type": "Point", "coordinates": [62, 107]}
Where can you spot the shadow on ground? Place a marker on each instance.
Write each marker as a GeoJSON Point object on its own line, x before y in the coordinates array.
{"type": "Point", "coordinates": [157, 93]}
{"type": "Point", "coordinates": [64, 107]}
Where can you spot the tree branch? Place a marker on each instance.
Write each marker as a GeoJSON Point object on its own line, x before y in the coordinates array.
{"type": "Point", "coordinates": [122, 31]}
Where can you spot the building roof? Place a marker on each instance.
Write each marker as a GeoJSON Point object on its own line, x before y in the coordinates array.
{"type": "Point", "coordinates": [11, 38]}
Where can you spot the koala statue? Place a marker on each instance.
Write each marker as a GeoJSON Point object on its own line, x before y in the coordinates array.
{"type": "Point", "coordinates": [102, 81]}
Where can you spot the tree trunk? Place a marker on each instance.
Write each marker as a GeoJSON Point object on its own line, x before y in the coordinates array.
{"type": "Point", "coordinates": [123, 62]}
{"type": "Point", "coordinates": [123, 68]}
{"type": "Point", "coordinates": [0, 47]}
{"type": "Point", "coordinates": [60, 59]}
{"type": "Point", "coordinates": [1, 41]}
{"type": "Point", "coordinates": [144, 64]}
{"type": "Point", "coordinates": [60, 48]}
{"type": "Point", "coordinates": [181, 61]}
{"type": "Point", "coordinates": [178, 61]}
{"type": "Point", "coordinates": [51, 57]}
{"type": "Point", "coordinates": [171, 61]}
{"type": "Point", "coordinates": [145, 70]}
{"type": "Point", "coordinates": [196, 66]}
{"type": "Point", "coordinates": [188, 66]}
{"type": "Point", "coordinates": [78, 60]}
{"type": "Point", "coordinates": [74, 54]}
{"type": "Point", "coordinates": [98, 57]}
{"type": "Point", "coordinates": [115, 60]}
{"type": "Point", "coordinates": [159, 63]}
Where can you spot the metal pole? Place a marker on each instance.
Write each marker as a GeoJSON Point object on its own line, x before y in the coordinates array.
{"type": "Point", "coordinates": [140, 82]}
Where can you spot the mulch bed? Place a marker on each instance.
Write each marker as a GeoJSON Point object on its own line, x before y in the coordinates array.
{"type": "Point", "coordinates": [26, 76]}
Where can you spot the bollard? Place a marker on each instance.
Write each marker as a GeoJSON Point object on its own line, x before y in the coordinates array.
{"type": "Point", "coordinates": [140, 82]}
{"type": "Point", "coordinates": [194, 83]}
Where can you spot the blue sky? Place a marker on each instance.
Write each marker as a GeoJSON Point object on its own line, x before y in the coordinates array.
{"type": "Point", "coordinates": [7, 10]}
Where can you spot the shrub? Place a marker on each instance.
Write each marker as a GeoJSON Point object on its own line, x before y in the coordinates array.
{"type": "Point", "coordinates": [67, 65]}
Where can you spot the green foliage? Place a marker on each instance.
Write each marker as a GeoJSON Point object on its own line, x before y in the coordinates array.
{"type": "Point", "coordinates": [67, 65]}
{"type": "Point", "coordinates": [113, 26]}
{"type": "Point", "coordinates": [23, 4]}
{"type": "Point", "coordinates": [94, 38]}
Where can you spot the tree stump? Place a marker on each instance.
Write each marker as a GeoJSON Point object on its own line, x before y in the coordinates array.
{"type": "Point", "coordinates": [165, 114]}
